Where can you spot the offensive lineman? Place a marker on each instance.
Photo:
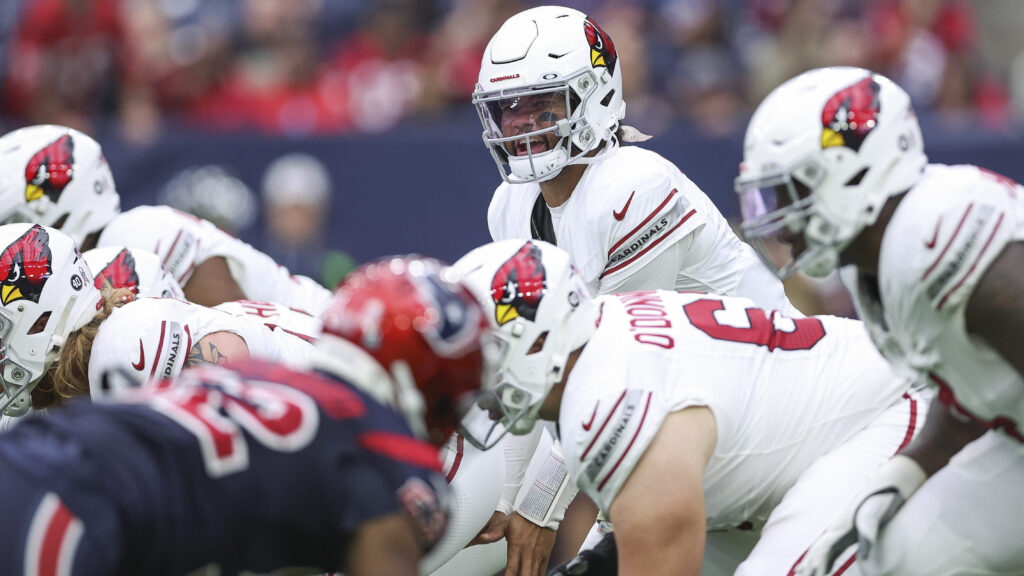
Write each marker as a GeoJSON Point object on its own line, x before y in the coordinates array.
{"type": "Point", "coordinates": [60, 178]}
{"type": "Point", "coordinates": [834, 166]}
{"type": "Point", "coordinates": [549, 96]}
{"type": "Point", "coordinates": [259, 467]}
{"type": "Point", "coordinates": [686, 412]}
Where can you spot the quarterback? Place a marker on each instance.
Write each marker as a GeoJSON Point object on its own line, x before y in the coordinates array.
{"type": "Point", "coordinates": [681, 413]}
{"type": "Point", "coordinates": [834, 166]}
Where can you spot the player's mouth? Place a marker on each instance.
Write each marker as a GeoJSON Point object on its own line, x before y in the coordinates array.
{"type": "Point", "coordinates": [531, 146]}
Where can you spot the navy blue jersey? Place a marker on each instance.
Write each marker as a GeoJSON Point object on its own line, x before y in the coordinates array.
{"type": "Point", "coordinates": [254, 468]}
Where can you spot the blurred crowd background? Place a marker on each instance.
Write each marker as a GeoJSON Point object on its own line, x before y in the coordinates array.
{"type": "Point", "coordinates": [340, 66]}
{"type": "Point", "coordinates": [328, 132]}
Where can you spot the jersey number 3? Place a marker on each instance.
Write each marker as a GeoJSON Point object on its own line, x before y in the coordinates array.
{"type": "Point", "coordinates": [760, 328]}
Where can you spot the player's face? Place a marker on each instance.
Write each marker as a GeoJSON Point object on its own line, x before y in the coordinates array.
{"type": "Point", "coordinates": [529, 113]}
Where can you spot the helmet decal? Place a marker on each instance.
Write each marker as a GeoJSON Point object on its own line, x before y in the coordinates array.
{"type": "Point", "coordinates": [25, 265]}
{"type": "Point", "coordinates": [456, 325]}
{"type": "Point", "coordinates": [519, 285]}
{"type": "Point", "coordinates": [120, 272]}
{"type": "Point", "coordinates": [850, 114]}
{"type": "Point", "coordinates": [602, 51]}
{"type": "Point", "coordinates": [50, 170]}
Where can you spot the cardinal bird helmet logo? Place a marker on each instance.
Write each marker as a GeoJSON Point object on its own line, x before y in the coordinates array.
{"type": "Point", "coordinates": [120, 272]}
{"type": "Point", "coordinates": [25, 265]}
{"type": "Point", "coordinates": [50, 170]}
{"type": "Point", "coordinates": [519, 285]}
{"type": "Point", "coordinates": [602, 51]}
{"type": "Point", "coordinates": [850, 114]}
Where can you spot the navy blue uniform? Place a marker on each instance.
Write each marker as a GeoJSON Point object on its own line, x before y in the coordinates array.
{"type": "Point", "coordinates": [254, 468]}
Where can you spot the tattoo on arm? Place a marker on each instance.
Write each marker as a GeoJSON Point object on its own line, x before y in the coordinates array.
{"type": "Point", "coordinates": [197, 356]}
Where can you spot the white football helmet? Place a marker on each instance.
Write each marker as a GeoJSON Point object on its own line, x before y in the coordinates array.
{"type": "Point", "coordinates": [543, 312]}
{"type": "Point", "coordinates": [57, 177]}
{"type": "Point", "coordinates": [46, 293]}
{"type": "Point", "coordinates": [822, 154]}
{"type": "Point", "coordinates": [549, 73]}
{"type": "Point", "coordinates": [134, 268]}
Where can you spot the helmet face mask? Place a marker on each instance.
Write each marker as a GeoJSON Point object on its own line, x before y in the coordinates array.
{"type": "Point", "coordinates": [822, 155]}
{"type": "Point", "coordinates": [543, 312]}
{"type": "Point", "coordinates": [558, 53]}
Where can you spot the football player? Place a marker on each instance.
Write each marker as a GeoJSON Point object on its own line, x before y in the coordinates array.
{"type": "Point", "coordinates": [550, 98]}
{"type": "Point", "coordinates": [834, 165]}
{"type": "Point", "coordinates": [681, 413]}
{"type": "Point", "coordinates": [259, 467]}
{"type": "Point", "coordinates": [60, 178]}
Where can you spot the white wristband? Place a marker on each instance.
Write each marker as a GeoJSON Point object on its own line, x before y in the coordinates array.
{"type": "Point", "coordinates": [542, 504]}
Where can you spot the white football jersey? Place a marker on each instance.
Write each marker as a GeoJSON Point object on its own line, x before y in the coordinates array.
{"type": "Point", "coordinates": [151, 337]}
{"type": "Point", "coordinates": [628, 209]}
{"type": "Point", "coordinates": [184, 241]}
{"type": "Point", "coordinates": [943, 236]}
{"type": "Point", "coordinates": [783, 392]}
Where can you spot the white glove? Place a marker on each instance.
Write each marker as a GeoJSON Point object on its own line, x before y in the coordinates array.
{"type": "Point", "coordinates": [862, 522]}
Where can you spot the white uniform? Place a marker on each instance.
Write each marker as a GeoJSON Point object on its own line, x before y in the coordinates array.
{"type": "Point", "coordinates": [632, 209]}
{"type": "Point", "coordinates": [183, 242]}
{"type": "Point", "coordinates": [943, 236]}
{"type": "Point", "coordinates": [804, 406]}
{"type": "Point", "coordinates": [151, 337]}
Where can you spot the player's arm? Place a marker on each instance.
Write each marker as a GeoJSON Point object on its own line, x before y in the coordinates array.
{"type": "Point", "coordinates": [384, 545]}
{"type": "Point", "coordinates": [659, 513]}
{"type": "Point", "coordinates": [995, 311]}
{"type": "Point", "coordinates": [217, 348]}
{"type": "Point", "coordinates": [211, 283]}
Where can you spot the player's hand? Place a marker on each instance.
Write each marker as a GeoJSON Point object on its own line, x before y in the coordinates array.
{"type": "Point", "coordinates": [862, 523]}
{"type": "Point", "coordinates": [602, 560]}
{"type": "Point", "coordinates": [493, 531]}
{"type": "Point", "coordinates": [529, 547]}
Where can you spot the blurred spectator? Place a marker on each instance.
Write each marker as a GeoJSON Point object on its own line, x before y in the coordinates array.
{"type": "Point", "coordinates": [297, 195]}
{"type": "Point", "coordinates": [64, 62]}
{"type": "Point", "coordinates": [322, 66]}
{"type": "Point", "coordinates": [212, 193]}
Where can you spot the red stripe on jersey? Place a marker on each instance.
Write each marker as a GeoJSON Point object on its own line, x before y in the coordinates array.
{"type": "Point", "coordinates": [842, 569]}
{"type": "Point", "coordinates": [628, 446]}
{"type": "Point", "coordinates": [173, 246]}
{"type": "Point", "coordinates": [950, 243]}
{"type": "Point", "coordinates": [649, 246]}
{"type": "Point", "coordinates": [159, 348]}
{"type": "Point", "coordinates": [912, 425]}
{"type": "Point", "coordinates": [191, 265]}
{"type": "Point", "coordinates": [459, 448]}
{"type": "Point", "coordinates": [49, 552]}
{"type": "Point", "coordinates": [948, 397]}
{"type": "Point", "coordinates": [646, 220]}
{"type": "Point", "coordinates": [603, 424]}
{"type": "Point", "coordinates": [402, 448]}
{"type": "Point", "coordinates": [977, 259]}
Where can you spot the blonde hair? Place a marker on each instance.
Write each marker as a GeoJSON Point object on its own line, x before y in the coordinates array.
{"type": "Point", "coordinates": [68, 376]}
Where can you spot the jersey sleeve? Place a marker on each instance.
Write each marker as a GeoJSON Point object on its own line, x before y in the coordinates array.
{"type": "Point", "coordinates": [957, 245]}
{"type": "Point", "coordinates": [640, 221]}
{"type": "Point", "coordinates": [175, 237]}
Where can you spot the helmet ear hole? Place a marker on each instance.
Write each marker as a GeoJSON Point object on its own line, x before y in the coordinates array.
{"type": "Point", "coordinates": [857, 177]}
{"type": "Point", "coordinates": [608, 98]}
{"type": "Point", "coordinates": [40, 324]}
{"type": "Point", "coordinates": [538, 344]}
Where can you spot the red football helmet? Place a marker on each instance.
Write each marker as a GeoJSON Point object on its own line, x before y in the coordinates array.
{"type": "Point", "coordinates": [407, 333]}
